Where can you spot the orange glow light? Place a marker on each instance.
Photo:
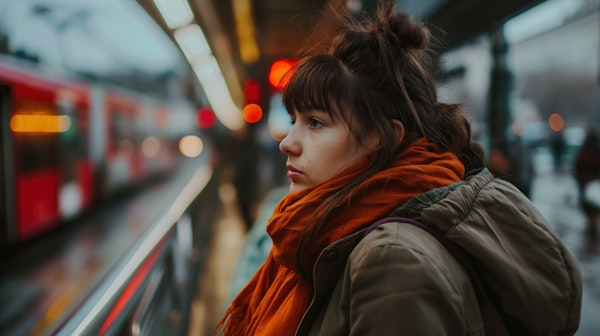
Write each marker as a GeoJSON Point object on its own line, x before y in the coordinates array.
{"type": "Point", "coordinates": [556, 122]}
{"type": "Point", "coordinates": [276, 74]}
{"type": "Point", "coordinates": [37, 123]}
{"type": "Point", "coordinates": [252, 113]}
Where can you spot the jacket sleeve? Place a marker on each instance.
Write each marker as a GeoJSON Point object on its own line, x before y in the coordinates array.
{"type": "Point", "coordinates": [396, 289]}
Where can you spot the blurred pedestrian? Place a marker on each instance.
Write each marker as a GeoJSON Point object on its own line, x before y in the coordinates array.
{"type": "Point", "coordinates": [370, 152]}
{"type": "Point", "coordinates": [521, 164]}
{"type": "Point", "coordinates": [499, 162]}
{"type": "Point", "coordinates": [247, 179]}
{"type": "Point", "coordinates": [587, 169]}
{"type": "Point", "coordinates": [511, 161]}
{"type": "Point", "coordinates": [558, 146]}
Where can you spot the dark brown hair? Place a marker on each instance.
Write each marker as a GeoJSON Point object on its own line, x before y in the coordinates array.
{"type": "Point", "coordinates": [370, 73]}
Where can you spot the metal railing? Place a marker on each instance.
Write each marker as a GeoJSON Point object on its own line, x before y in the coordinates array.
{"type": "Point", "coordinates": [91, 316]}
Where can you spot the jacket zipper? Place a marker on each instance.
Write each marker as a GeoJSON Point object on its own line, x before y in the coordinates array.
{"type": "Point", "coordinates": [303, 323]}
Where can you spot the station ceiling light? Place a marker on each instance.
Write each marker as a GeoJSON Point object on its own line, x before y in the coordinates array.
{"type": "Point", "coordinates": [176, 13]}
{"type": "Point", "coordinates": [190, 38]}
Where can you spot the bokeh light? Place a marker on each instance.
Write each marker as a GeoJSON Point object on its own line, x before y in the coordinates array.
{"type": "Point", "coordinates": [277, 72]}
{"type": "Point", "coordinates": [206, 118]}
{"type": "Point", "coordinates": [556, 122]}
{"type": "Point", "coordinates": [191, 146]}
{"type": "Point", "coordinates": [252, 113]}
{"type": "Point", "coordinates": [151, 146]}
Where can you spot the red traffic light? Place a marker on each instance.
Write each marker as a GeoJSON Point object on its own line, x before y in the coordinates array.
{"type": "Point", "coordinates": [278, 70]}
{"type": "Point", "coordinates": [206, 118]}
{"type": "Point", "coordinates": [252, 91]}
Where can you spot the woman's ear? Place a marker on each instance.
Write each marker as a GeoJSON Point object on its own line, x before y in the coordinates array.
{"type": "Point", "coordinates": [399, 130]}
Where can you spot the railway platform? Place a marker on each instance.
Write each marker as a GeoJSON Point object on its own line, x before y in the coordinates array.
{"type": "Point", "coordinates": [54, 286]}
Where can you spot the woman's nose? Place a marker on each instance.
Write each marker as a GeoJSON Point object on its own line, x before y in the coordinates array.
{"type": "Point", "coordinates": [289, 145]}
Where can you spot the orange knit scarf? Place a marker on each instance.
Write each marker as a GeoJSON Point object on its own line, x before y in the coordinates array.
{"type": "Point", "coordinates": [274, 300]}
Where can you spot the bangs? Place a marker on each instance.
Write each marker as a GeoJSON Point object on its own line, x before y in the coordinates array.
{"type": "Point", "coordinates": [320, 82]}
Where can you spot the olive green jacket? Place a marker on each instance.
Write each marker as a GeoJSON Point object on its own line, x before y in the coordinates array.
{"type": "Point", "coordinates": [399, 280]}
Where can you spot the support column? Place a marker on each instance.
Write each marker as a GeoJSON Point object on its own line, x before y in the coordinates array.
{"type": "Point", "coordinates": [500, 86]}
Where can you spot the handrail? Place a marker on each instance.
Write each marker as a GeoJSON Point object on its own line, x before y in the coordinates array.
{"type": "Point", "coordinates": [87, 320]}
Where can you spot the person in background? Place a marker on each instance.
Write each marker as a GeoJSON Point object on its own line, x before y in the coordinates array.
{"type": "Point", "coordinates": [558, 146]}
{"type": "Point", "coordinates": [587, 169]}
{"type": "Point", "coordinates": [511, 161]}
{"type": "Point", "coordinates": [246, 179]}
{"type": "Point", "coordinates": [370, 150]}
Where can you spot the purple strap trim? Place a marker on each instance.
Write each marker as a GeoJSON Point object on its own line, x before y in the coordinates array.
{"type": "Point", "coordinates": [494, 325]}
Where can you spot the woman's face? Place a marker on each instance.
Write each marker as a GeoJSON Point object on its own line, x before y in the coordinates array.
{"type": "Point", "coordinates": [317, 148]}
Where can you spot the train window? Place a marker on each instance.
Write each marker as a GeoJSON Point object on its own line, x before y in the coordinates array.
{"type": "Point", "coordinates": [122, 133]}
{"type": "Point", "coordinates": [36, 152]}
{"type": "Point", "coordinates": [69, 142]}
{"type": "Point", "coordinates": [75, 139]}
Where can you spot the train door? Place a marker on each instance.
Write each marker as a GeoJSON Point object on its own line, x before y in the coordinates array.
{"type": "Point", "coordinates": [123, 166]}
{"type": "Point", "coordinates": [70, 190]}
{"type": "Point", "coordinates": [7, 221]}
{"type": "Point", "coordinates": [76, 171]}
{"type": "Point", "coordinates": [34, 134]}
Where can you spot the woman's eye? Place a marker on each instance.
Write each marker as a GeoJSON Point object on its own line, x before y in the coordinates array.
{"type": "Point", "coordinates": [316, 123]}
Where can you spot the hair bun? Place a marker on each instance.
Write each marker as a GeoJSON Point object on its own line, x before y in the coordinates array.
{"type": "Point", "coordinates": [399, 30]}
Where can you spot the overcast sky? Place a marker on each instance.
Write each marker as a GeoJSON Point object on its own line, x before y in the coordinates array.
{"type": "Point", "coordinates": [543, 17]}
{"type": "Point", "coordinates": [91, 35]}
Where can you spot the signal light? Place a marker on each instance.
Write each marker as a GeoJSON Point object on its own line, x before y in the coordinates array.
{"type": "Point", "coordinates": [252, 91]}
{"type": "Point", "coordinates": [277, 72]}
{"type": "Point", "coordinates": [252, 113]}
{"type": "Point", "coordinates": [205, 118]}
{"type": "Point", "coordinates": [556, 122]}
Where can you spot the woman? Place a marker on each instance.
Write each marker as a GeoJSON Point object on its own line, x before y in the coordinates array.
{"type": "Point", "coordinates": [369, 140]}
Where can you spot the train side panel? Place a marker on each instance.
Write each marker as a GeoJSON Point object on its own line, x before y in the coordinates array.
{"type": "Point", "coordinates": [68, 144]}
{"type": "Point", "coordinates": [44, 128]}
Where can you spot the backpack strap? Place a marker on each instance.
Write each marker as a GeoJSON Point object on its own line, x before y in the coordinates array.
{"type": "Point", "coordinates": [493, 323]}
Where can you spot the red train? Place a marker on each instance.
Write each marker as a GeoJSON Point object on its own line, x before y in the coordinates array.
{"type": "Point", "coordinates": [67, 143]}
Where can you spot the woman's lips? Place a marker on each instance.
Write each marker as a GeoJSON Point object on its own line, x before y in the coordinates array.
{"type": "Point", "coordinates": [293, 173]}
